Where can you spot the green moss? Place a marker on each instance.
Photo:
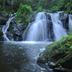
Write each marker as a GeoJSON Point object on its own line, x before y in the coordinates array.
{"type": "Point", "coordinates": [60, 52]}
{"type": "Point", "coordinates": [62, 5]}
{"type": "Point", "coordinates": [23, 14]}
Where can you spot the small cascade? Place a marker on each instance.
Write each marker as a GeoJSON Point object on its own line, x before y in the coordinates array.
{"type": "Point", "coordinates": [58, 29]}
{"type": "Point", "coordinates": [5, 28]}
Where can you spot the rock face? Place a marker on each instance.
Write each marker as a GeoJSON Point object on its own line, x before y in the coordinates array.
{"type": "Point", "coordinates": [58, 55]}
{"type": "Point", "coordinates": [15, 31]}
{"type": "Point", "coordinates": [65, 20]}
{"type": "Point", "coordinates": [3, 19]}
{"type": "Point", "coordinates": [49, 27]}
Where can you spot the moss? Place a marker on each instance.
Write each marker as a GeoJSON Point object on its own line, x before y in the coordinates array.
{"type": "Point", "coordinates": [60, 52]}
{"type": "Point", "coordinates": [23, 14]}
{"type": "Point", "coordinates": [62, 5]}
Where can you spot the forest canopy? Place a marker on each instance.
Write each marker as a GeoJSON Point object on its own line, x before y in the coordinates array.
{"type": "Point", "coordinates": [50, 5]}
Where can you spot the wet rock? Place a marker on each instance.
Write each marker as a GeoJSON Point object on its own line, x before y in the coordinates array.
{"type": "Point", "coordinates": [3, 18]}
{"type": "Point", "coordinates": [50, 28]}
{"type": "Point", "coordinates": [59, 55]}
{"type": "Point", "coordinates": [15, 31]}
{"type": "Point", "coordinates": [1, 36]}
{"type": "Point", "coordinates": [18, 31]}
{"type": "Point", "coordinates": [1, 33]}
{"type": "Point", "coordinates": [65, 20]}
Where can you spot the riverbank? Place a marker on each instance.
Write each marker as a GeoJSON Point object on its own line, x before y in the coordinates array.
{"type": "Point", "coordinates": [58, 55]}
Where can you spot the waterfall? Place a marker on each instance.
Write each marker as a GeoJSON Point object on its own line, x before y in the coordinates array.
{"type": "Point", "coordinates": [41, 30]}
{"type": "Point", "coordinates": [58, 29]}
{"type": "Point", "coordinates": [5, 27]}
{"type": "Point", "coordinates": [70, 23]}
{"type": "Point", "coordinates": [38, 29]}
{"type": "Point", "coordinates": [46, 28]}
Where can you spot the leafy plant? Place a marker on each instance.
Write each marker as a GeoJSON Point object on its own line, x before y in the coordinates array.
{"type": "Point", "coordinates": [62, 5]}
{"type": "Point", "coordinates": [23, 13]}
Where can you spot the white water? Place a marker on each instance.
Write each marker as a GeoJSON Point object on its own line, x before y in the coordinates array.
{"type": "Point", "coordinates": [58, 29]}
{"type": "Point", "coordinates": [38, 29]}
{"type": "Point", "coordinates": [37, 32]}
{"type": "Point", "coordinates": [5, 28]}
{"type": "Point", "coordinates": [70, 23]}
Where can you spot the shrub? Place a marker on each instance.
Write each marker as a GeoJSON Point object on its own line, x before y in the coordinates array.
{"type": "Point", "coordinates": [23, 13]}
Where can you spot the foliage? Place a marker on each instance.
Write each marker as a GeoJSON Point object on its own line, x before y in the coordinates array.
{"type": "Point", "coordinates": [23, 13]}
{"type": "Point", "coordinates": [62, 5]}
{"type": "Point", "coordinates": [13, 5]}
{"type": "Point", "coordinates": [60, 52]}
{"type": "Point", "coordinates": [53, 5]}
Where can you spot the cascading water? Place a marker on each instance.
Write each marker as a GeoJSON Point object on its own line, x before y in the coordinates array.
{"type": "Point", "coordinates": [43, 28]}
{"type": "Point", "coordinates": [5, 27]}
{"type": "Point", "coordinates": [38, 29]}
{"type": "Point", "coordinates": [70, 23]}
{"type": "Point", "coordinates": [58, 29]}
{"type": "Point", "coordinates": [46, 27]}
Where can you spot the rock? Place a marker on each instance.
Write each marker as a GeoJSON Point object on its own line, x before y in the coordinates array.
{"type": "Point", "coordinates": [65, 20]}
{"type": "Point", "coordinates": [1, 36]}
{"type": "Point", "coordinates": [59, 55]}
{"type": "Point", "coordinates": [18, 31]}
{"type": "Point", "coordinates": [1, 33]}
{"type": "Point", "coordinates": [50, 28]}
{"type": "Point", "coordinates": [62, 70]}
{"type": "Point", "coordinates": [3, 18]}
{"type": "Point", "coordinates": [15, 31]}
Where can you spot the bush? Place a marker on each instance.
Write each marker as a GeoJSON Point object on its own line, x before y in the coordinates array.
{"type": "Point", "coordinates": [62, 5]}
{"type": "Point", "coordinates": [23, 13]}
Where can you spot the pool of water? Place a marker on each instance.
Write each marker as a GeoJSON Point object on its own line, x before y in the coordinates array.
{"type": "Point", "coordinates": [31, 53]}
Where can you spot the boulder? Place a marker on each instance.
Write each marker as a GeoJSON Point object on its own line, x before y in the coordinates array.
{"type": "Point", "coordinates": [58, 55]}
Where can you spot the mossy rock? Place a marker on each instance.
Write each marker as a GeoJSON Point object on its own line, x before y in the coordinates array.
{"type": "Point", "coordinates": [59, 53]}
